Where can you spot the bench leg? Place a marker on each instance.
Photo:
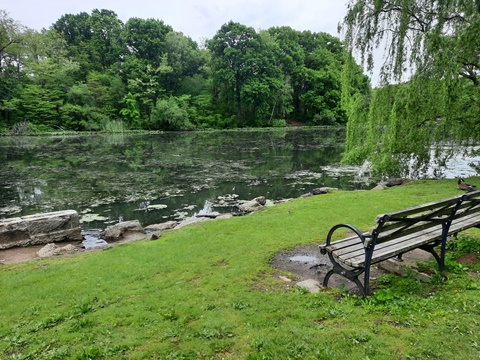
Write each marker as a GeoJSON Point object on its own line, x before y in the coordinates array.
{"type": "Point", "coordinates": [439, 258]}
{"type": "Point", "coordinates": [351, 275]}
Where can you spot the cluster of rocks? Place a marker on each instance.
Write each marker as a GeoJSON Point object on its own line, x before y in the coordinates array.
{"type": "Point", "coordinates": [64, 226]}
{"type": "Point", "coordinates": [132, 230]}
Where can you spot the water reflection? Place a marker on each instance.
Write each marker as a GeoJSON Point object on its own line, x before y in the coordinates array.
{"type": "Point", "coordinates": [111, 177]}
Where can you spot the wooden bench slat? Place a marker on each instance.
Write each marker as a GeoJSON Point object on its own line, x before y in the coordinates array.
{"type": "Point", "coordinates": [418, 209]}
{"type": "Point", "coordinates": [394, 248]}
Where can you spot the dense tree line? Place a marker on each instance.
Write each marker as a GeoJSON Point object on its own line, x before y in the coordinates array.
{"type": "Point", "coordinates": [94, 72]}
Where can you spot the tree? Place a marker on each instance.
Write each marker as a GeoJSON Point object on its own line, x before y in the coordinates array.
{"type": "Point", "coordinates": [146, 39]}
{"type": "Point", "coordinates": [184, 58]}
{"type": "Point", "coordinates": [94, 40]}
{"type": "Point", "coordinates": [312, 66]}
{"type": "Point", "coordinates": [434, 45]}
{"type": "Point", "coordinates": [245, 73]}
{"type": "Point", "coordinates": [11, 38]}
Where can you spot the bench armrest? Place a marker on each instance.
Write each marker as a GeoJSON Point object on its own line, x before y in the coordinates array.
{"type": "Point", "coordinates": [365, 238]}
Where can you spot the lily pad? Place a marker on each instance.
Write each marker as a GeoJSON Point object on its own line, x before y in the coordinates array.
{"type": "Point", "coordinates": [157, 207]}
{"type": "Point", "coordinates": [92, 217]}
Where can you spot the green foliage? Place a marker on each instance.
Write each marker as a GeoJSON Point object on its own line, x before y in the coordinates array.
{"type": "Point", "coordinates": [90, 69]}
{"type": "Point", "coordinates": [464, 245]}
{"type": "Point", "coordinates": [432, 57]}
{"type": "Point", "coordinates": [171, 114]}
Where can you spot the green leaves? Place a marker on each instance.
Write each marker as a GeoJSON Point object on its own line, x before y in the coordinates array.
{"type": "Point", "coordinates": [432, 44]}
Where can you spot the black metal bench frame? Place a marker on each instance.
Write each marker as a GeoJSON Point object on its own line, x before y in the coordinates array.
{"type": "Point", "coordinates": [424, 227]}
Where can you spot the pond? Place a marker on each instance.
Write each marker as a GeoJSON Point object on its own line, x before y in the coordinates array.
{"type": "Point", "coordinates": [169, 176]}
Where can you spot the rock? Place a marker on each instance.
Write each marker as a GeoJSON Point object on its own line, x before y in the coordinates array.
{"type": "Point", "coordinates": [123, 230]}
{"type": "Point", "coordinates": [163, 226]}
{"type": "Point", "coordinates": [307, 195]}
{"type": "Point", "coordinates": [309, 284]}
{"type": "Point", "coordinates": [47, 250]}
{"type": "Point", "coordinates": [41, 228]}
{"type": "Point", "coordinates": [252, 205]}
{"type": "Point", "coordinates": [67, 249]}
{"type": "Point", "coordinates": [394, 182]}
{"type": "Point", "coordinates": [154, 236]}
{"type": "Point", "coordinates": [322, 190]}
{"type": "Point", "coordinates": [261, 200]}
{"type": "Point", "coordinates": [379, 187]}
{"type": "Point", "coordinates": [281, 201]}
{"type": "Point", "coordinates": [191, 220]}
{"type": "Point", "coordinates": [52, 249]}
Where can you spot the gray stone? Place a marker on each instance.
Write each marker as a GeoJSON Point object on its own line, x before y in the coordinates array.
{"type": "Point", "coordinates": [126, 229]}
{"type": "Point", "coordinates": [252, 205]}
{"type": "Point", "coordinates": [394, 182]}
{"type": "Point", "coordinates": [309, 284]}
{"type": "Point", "coordinates": [47, 250]}
{"type": "Point", "coordinates": [154, 236]}
{"type": "Point", "coordinates": [322, 190]}
{"type": "Point", "coordinates": [163, 226]}
{"type": "Point", "coordinates": [40, 229]}
{"type": "Point", "coordinates": [52, 249]}
{"type": "Point", "coordinates": [191, 220]}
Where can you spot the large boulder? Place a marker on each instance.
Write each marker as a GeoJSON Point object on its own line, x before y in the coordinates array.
{"type": "Point", "coordinates": [40, 229]}
{"type": "Point", "coordinates": [126, 230]}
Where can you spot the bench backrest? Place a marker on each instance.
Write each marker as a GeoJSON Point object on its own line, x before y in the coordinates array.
{"type": "Point", "coordinates": [426, 217]}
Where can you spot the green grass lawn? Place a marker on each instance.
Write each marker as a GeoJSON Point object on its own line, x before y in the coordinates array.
{"type": "Point", "coordinates": [208, 291]}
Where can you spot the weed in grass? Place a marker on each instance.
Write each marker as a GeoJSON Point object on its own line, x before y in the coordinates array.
{"type": "Point", "coordinates": [80, 324]}
{"type": "Point", "coordinates": [89, 353]}
{"type": "Point", "coordinates": [83, 309]}
{"type": "Point", "coordinates": [173, 332]}
{"type": "Point", "coordinates": [361, 337]}
{"type": "Point", "coordinates": [464, 244]}
{"type": "Point", "coordinates": [56, 353]}
{"type": "Point", "coordinates": [331, 312]}
{"type": "Point", "coordinates": [258, 344]}
{"type": "Point", "coordinates": [15, 341]}
{"type": "Point", "coordinates": [240, 305]}
{"type": "Point", "coordinates": [210, 307]}
{"type": "Point", "coordinates": [214, 333]}
{"type": "Point", "coordinates": [170, 315]}
{"type": "Point", "coordinates": [259, 356]}
{"type": "Point", "coordinates": [49, 322]}
{"type": "Point", "coordinates": [178, 355]}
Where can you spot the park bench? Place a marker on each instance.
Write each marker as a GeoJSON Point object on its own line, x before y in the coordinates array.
{"type": "Point", "coordinates": [425, 227]}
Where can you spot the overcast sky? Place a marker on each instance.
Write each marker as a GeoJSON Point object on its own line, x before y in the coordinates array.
{"type": "Point", "coordinates": [198, 19]}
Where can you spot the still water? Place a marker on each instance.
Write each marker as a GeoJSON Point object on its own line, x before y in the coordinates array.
{"type": "Point", "coordinates": [168, 176]}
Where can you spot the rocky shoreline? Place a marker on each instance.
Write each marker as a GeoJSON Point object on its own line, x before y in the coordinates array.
{"type": "Point", "coordinates": [128, 231]}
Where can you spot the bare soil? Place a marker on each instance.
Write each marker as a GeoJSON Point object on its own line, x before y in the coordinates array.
{"type": "Point", "coordinates": [22, 254]}
{"type": "Point", "coordinates": [305, 262]}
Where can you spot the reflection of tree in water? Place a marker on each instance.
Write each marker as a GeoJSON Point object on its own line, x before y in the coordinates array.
{"type": "Point", "coordinates": [115, 173]}
{"type": "Point", "coordinates": [311, 152]}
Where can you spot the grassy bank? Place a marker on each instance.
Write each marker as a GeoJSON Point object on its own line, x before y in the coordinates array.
{"type": "Point", "coordinates": [208, 292]}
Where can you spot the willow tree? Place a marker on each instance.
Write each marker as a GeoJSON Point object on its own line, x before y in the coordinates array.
{"type": "Point", "coordinates": [429, 81]}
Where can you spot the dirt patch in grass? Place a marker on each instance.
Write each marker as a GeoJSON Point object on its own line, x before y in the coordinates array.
{"type": "Point", "coordinates": [306, 262]}
{"type": "Point", "coordinates": [22, 254]}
